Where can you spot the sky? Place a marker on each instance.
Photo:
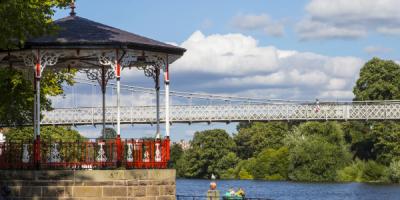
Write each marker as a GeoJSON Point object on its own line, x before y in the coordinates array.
{"type": "Point", "coordinates": [298, 50]}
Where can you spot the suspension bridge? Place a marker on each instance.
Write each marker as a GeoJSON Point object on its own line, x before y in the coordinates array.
{"type": "Point", "coordinates": [201, 107]}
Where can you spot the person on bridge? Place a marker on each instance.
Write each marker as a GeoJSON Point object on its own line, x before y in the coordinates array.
{"type": "Point", "coordinates": [317, 107]}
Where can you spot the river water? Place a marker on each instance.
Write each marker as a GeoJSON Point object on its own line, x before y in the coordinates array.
{"type": "Point", "coordinates": [293, 190]}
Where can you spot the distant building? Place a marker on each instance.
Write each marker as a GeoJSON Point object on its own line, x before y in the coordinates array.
{"type": "Point", "coordinates": [184, 144]}
{"type": "Point", "coordinates": [2, 137]}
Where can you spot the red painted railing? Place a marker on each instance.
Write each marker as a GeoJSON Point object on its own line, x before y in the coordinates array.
{"type": "Point", "coordinates": [86, 154]}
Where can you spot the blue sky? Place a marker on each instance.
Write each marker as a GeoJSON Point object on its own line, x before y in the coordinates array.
{"type": "Point", "coordinates": [303, 49]}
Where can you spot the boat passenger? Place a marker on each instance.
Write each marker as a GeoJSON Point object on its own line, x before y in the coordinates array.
{"type": "Point", "coordinates": [240, 193]}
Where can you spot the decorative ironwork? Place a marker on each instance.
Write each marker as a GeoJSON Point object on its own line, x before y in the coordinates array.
{"type": "Point", "coordinates": [47, 58]}
{"type": "Point", "coordinates": [96, 75]}
{"type": "Point", "coordinates": [87, 154]}
{"type": "Point", "coordinates": [101, 155]}
{"type": "Point", "coordinates": [227, 113]}
{"type": "Point", "coordinates": [158, 153]}
{"type": "Point", "coordinates": [129, 156]}
{"type": "Point", "coordinates": [54, 154]}
{"type": "Point", "coordinates": [25, 155]}
{"type": "Point", "coordinates": [155, 63]}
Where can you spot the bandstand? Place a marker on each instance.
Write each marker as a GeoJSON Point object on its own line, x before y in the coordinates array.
{"type": "Point", "coordinates": [101, 52]}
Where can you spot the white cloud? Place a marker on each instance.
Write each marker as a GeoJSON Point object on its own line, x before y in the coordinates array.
{"type": "Point", "coordinates": [232, 54]}
{"type": "Point", "coordinates": [395, 31]}
{"type": "Point", "coordinates": [311, 30]}
{"type": "Point", "coordinates": [349, 19]}
{"type": "Point", "coordinates": [263, 22]}
{"type": "Point", "coordinates": [377, 50]}
{"type": "Point", "coordinates": [298, 74]}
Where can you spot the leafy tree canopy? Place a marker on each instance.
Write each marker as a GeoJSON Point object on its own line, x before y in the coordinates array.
{"type": "Point", "coordinates": [316, 151]}
{"type": "Point", "coordinates": [211, 152]}
{"type": "Point", "coordinates": [379, 80]}
{"type": "Point", "coordinates": [109, 133]}
{"type": "Point", "coordinates": [46, 133]}
{"type": "Point", "coordinates": [21, 19]}
{"type": "Point", "coordinates": [272, 164]}
{"type": "Point", "coordinates": [176, 154]}
{"type": "Point", "coordinates": [16, 99]}
{"type": "Point", "coordinates": [253, 138]}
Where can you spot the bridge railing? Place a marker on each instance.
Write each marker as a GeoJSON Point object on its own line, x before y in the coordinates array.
{"type": "Point", "coordinates": [85, 154]}
{"type": "Point", "coordinates": [229, 112]}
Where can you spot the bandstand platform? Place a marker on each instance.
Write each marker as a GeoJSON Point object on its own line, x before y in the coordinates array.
{"type": "Point", "coordinates": [119, 168]}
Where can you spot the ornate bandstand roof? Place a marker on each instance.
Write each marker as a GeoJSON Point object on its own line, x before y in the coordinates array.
{"type": "Point", "coordinates": [83, 43]}
{"type": "Point", "coordinates": [78, 32]}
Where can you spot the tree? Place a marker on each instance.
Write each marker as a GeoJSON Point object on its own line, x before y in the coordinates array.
{"type": "Point", "coordinates": [176, 155]}
{"type": "Point", "coordinates": [272, 164]}
{"type": "Point", "coordinates": [379, 80]}
{"type": "Point", "coordinates": [316, 151]}
{"type": "Point", "coordinates": [109, 133]}
{"type": "Point", "coordinates": [253, 138]}
{"type": "Point", "coordinates": [211, 152]}
{"type": "Point", "coordinates": [47, 133]}
{"type": "Point", "coordinates": [22, 19]}
{"type": "Point", "coordinates": [361, 139]}
{"type": "Point", "coordinates": [387, 143]}
{"type": "Point", "coordinates": [16, 99]}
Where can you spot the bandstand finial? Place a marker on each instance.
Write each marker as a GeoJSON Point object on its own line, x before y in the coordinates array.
{"type": "Point", "coordinates": [72, 6]}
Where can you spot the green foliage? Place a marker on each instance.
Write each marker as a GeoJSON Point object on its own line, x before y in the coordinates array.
{"type": "Point", "coordinates": [272, 164]}
{"type": "Point", "coordinates": [109, 133]}
{"type": "Point", "coordinates": [379, 80]}
{"type": "Point", "coordinates": [16, 99]}
{"type": "Point", "coordinates": [182, 166]}
{"type": "Point", "coordinates": [21, 19]}
{"type": "Point", "coordinates": [245, 175]}
{"type": "Point", "coordinates": [330, 131]}
{"type": "Point", "coordinates": [361, 139]}
{"type": "Point", "coordinates": [210, 153]}
{"type": "Point", "coordinates": [316, 151]}
{"type": "Point", "coordinates": [253, 138]}
{"type": "Point", "coordinates": [394, 171]}
{"type": "Point", "coordinates": [387, 143]}
{"type": "Point", "coordinates": [312, 158]}
{"type": "Point", "coordinates": [228, 174]}
{"type": "Point", "coordinates": [364, 171]}
{"type": "Point", "coordinates": [245, 168]}
{"type": "Point", "coordinates": [47, 133]}
{"type": "Point", "coordinates": [374, 172]}
{"type": "Point", "coordinates": [175, 156]}
{"type": "Point", "coordinates": [351, 173]}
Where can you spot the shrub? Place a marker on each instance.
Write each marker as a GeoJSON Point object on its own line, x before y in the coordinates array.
{"type": "Point", "coordinates": [394, 171]}
{"type": "Point", "coordinates": [272, 164]}
{"type": "Point", "coordinates": [374, 172]}
{"type": "Point", "coordinates": [351, 173]}
{"type": "Point", "coordinates": [243, 174]}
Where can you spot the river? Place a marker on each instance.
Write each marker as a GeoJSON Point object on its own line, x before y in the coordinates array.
{"type": "Point", "coordinates": [282, 190]}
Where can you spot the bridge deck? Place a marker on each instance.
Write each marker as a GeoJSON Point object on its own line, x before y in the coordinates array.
{"type": "Point", "coordinates": [226, 113]}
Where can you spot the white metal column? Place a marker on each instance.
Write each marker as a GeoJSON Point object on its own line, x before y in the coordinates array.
{"type": "Point", "coordinates": [166, 86]}
{"type": "Point", "coordinates": [38, 74]}
{"type": "Point", "coordinates": [118, 76]}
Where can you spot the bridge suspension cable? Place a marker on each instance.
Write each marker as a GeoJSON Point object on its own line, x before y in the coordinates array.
{"type": "Point", "coordinates": [207, 96]}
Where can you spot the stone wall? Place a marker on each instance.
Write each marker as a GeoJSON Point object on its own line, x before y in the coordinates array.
{"type": "Point", "coordinates": [140, 184]}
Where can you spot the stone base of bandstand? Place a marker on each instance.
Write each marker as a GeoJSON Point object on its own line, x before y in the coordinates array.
{"type": "Point", "coordinates": [140, 184]}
